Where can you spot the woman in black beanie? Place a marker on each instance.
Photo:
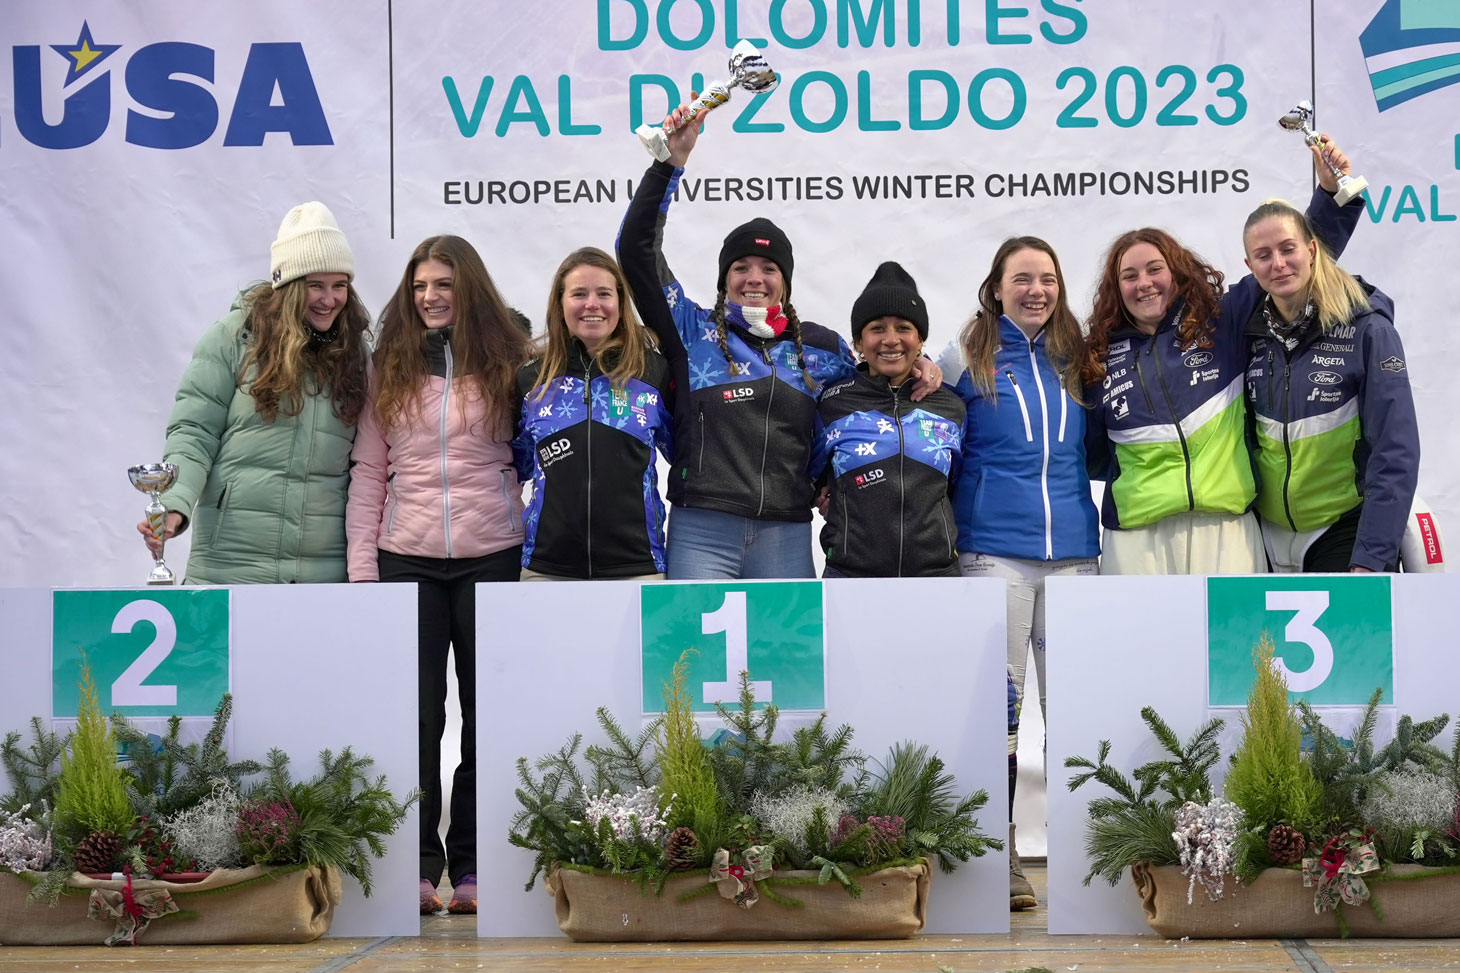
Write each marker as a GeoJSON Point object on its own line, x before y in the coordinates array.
{"type": "Point", "coordinates": [746, 373]}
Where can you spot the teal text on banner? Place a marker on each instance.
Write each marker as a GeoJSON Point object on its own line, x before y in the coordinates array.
{"type": "Point", "coordinates": [1333, 636]}
{"type": "Point", "coordinates": [153, 652]}
{"type": "Point", "coordinates": [775, 631]}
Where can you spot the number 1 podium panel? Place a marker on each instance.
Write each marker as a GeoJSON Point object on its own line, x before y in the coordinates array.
{"type": "Point", "coordinates": [1183, 644]}
{"type": "Point", "coordinates": [901, 659]}
{"type": "Point", "coordinates": [310, 667]}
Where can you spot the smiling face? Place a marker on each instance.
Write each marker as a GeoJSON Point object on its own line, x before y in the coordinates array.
{"type": "Point", "coordinates": [891, 346]}
{"type": "Point", "coordinates": [327, 296]}
{"type": "Point", "coordinates": [590, 305]}
{"type": "Point", "coordinates": [754, 282]}
{"type": "Point", "coordinates": [431, 285]}
{"type": "Point", "coordinates": [1028, 289]}
{"type": "Point", "coordinates": [1280, 259]}
{"type": "Point", "coordinates": [1145, 285]}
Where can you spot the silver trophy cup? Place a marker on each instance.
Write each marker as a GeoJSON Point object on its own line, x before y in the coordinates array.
{"type": "Point", "coordinates": [1300, 119]}
{"type": "Point", "coordinates": [748, 70]}
{"type": "Point", "coordinates": [152, 479]}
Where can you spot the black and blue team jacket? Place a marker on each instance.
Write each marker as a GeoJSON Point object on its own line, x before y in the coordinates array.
{"type": "Point", "coordinates": [589, 449]}
{"type": "Point", "coordinates": [744, 429]}
{"type": "Point", "coordinates": [892, 462]}
{"type": "Point", "coordinates": [1333, 425]}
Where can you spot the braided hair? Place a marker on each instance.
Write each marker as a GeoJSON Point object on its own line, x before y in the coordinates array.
{"type": "Point", "coordinates": [722, 337]}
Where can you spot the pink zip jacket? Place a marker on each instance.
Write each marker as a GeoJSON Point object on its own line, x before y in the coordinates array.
{"type": "Point", "coordinates": [438, 485]}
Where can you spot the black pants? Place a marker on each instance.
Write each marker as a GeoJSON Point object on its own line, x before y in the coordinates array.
{"type": "Point", "coordinates": [1334, 548]}
{"type": "Point", "coordinates": [446, 616]}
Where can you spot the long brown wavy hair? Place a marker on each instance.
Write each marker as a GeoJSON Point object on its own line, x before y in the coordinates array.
{"type": "Point", "coordinates": [621, 356]}
{"type": "Point", "coordinates": [486, 340]}
{"type": "Point", "coordinates": [980, 336]}
{"type": "Point", "coordinates": [287, 365]}
{"type": "Point", "coordinates": [1336, 294]}
{"type": "Point", "coordinates": [1197, 283]}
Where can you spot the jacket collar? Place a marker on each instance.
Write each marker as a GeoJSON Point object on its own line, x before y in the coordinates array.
{"type": "Point", "coordinates": [1011, 333]}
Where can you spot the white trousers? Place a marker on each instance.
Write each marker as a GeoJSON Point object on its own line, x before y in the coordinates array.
{"type": "Point", "coordinates": [1025, 607]}
{"type": "Point", "coordinates": [1188, 543]}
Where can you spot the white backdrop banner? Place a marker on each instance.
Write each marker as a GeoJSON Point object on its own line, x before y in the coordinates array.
{"type": "Point", "coordinates": [151, 150]}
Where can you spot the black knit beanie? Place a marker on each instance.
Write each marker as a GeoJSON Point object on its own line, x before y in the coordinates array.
{"type": "Point", "coordinates": [759, 238]}
{"type": "Point", "coordinates": [891, 291]}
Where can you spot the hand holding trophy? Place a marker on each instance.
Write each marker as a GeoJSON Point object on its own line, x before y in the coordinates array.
{"type": "Point", "coordinates": [1300, 119]}
{"type": "Point", "coordinates": [152, 479]}
{"type": "Point", "coordinates": [748, 70]}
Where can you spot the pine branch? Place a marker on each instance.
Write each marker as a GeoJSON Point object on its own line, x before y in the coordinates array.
{"type": "Point", "coordinates": [628, 762]}
{"type": "Point", "coordinates": [35, 771]}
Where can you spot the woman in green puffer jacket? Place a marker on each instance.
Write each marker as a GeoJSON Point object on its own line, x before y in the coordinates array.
{"type": "Point", "coordinates": [265, 418]}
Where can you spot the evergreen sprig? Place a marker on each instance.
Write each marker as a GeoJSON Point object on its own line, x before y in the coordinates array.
{"type": "Point", "coordinates": [628, 762]}
{"type": "Point", "coordinates": [170, 776]}
{"type": "Point", "coordinates": [35, 771]}
{"type": "Point", "coordinates": [746, 758]}
{"type": "Point", "coordinates": [916, 787]}
{"type": "Point", "coordinates": [1137, 823]}
{"type": "Point", "coordinates": [551, 821]}
{"type": "Point", "coordinates": [1269, 779]}
{"type": "Point", "coordinates": [684, 768]}
{"type": "Point", "coordinates": [816, 758]}
{"type": "Point", "coordinates": [91, 794]}
{"type": "Point", "coordinates": [344, 814]}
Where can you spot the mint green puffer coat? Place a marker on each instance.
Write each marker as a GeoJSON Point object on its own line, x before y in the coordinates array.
{"type": "Point", "coordinates": [265, 500]}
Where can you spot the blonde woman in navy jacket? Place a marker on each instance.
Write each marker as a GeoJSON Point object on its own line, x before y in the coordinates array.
{"type": "Point", "coordinates": [1022, 501]}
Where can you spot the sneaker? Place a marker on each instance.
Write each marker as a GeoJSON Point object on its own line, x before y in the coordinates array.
{"type": "Point", "coordinates": [464, 897]}
{"type": "Point", "coordinates": [430, 901]}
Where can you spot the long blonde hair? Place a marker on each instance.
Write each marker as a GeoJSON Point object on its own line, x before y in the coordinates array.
{"type": "Point", "coordinates": [284, 360]}
{"type": "Point", "coordinates": [621, 356]}
{"type": "Point", "coordinates": [1336, 294]}
{"type": "Point", "coordinates": [980, 336]}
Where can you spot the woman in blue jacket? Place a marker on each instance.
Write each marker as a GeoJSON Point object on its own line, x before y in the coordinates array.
{"type": "Point", "coordinates": [1022, 501]}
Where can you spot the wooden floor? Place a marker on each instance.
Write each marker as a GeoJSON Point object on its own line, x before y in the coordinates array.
{"type": "Point", "coordinates": [450, 943]}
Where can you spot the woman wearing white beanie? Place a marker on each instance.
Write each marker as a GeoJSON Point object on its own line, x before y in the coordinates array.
{"type": "Point", "coordinates": [265, 417]}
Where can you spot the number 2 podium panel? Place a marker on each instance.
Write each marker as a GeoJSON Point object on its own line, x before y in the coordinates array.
{"type": "Point", "coordinates": [899, 659]}
{"type": "Point", "coordinates": [1183, 645]}
{"type": "Point", "coordinates": [310, 667]}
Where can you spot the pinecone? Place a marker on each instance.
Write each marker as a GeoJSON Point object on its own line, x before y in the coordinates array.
{"type": "Point", "coordinates": [1285, 845]}
{"type": "Point", "coordinates": [98, 851]}
{"type": "Point", "coordinates": [681, 848]}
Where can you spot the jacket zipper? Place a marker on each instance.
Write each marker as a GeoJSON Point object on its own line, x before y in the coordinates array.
{"type": "Point", "coordinates": [943, 519]}
{"type": "Point", "coordinates": [588, 436]}
{"type": "Point", "coordinates": [700, 467]}
{"type": "Point", "coordinates": [1024, 409]}
{"type": "Point", "coordinates": [1176, 420]}
{"type": "Point", "coordinates": [1287, 443]}
{"type": "Point", "coordinates": [513, 526]}
{"type": "Point", "coordinates": [901, 477]}
{"type": "Point", "coordinates": [1044, 461]}
{"type": "Point", "coordinates": [1063, 399]}
{"type": "Point", "coordinates": [766, 441]}
{"type": "Point", "coordinates": [445, 475]}
{"type": "Point", "coordinates": [394, 501]}
{"type": "Point", "coordinates": [846, 529]}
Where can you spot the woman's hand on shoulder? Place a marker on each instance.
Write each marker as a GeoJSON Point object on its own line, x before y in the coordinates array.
{"type": "Point", "coordinates": [823, 501]}
{"type": "Point", "coordinates": [1327, 156]}
{"type": "Point", "coordinates": [929, 379]}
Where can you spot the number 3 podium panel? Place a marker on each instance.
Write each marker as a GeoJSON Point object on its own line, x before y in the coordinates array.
{"type": "Point", "coordinates": [899, 659]}
{"type": "Point", "coordinates": [310, 667]}
{"type": "Point", "coordinates": [1183, 645]}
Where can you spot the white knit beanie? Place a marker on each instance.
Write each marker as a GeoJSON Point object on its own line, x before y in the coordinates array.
{"type": "Point", "coordinates": [309, 242]}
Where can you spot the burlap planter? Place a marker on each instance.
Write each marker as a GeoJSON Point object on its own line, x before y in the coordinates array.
{"type": "Point", "coordinates": [1277, 906]}
{"type": "Point", "coordinates": [249, 905]}
{"type": "Point", "coordinates": [609, 908]}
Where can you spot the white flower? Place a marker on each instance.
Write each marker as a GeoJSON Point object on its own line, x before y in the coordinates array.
{"type": "Point", "coordinates": [25, 845]}
{"type": "Point", "coordinates": [787, 814]}
{"type": "Point", "coordinates": [1206, 836]}
{"type": "Point", "coordinates": [206, 832]}
{"type": "Point", "coordinates": [634, 817]}
{"type": "Point", "coordinates": [1408, 800]}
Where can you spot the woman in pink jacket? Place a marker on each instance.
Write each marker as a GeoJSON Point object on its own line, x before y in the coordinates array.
{"type": "Point", "coordinates": [434, 499]}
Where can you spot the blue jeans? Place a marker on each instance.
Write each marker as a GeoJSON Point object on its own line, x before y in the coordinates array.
{"type": "Point", "coordinates": [709, 544]}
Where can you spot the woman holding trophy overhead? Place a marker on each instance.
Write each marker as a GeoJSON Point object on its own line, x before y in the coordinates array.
{"type": "Point", "coordinates": [747, 371]}
{"type": "Point", "coordinates": [1165, 368]}
{"type": "Point", "coordinates": [265, 417]}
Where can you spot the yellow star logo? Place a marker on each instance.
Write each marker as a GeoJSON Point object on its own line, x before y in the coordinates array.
{"type": "Point", "coordinates": [84, 54]}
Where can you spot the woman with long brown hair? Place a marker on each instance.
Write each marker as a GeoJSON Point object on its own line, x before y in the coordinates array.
{"type": "Point", "coordinates": [594, 408]}
{"type": "Point", "coordinates": [265, 416]}
{"type": "Point", "coordinates": [1167, 430]}
{"type": "Point", "coordinates": [434, 500]}
{"type": "Point", "coordinates": [1022, 502]}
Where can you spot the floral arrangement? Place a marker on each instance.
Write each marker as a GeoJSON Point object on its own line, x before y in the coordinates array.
{"type": "Point", "coordinates": [740, 810]}
{"type": "Point", "coordinates": [169, 809]}
{"type": "Point", "coordinates": [1340, 811]}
